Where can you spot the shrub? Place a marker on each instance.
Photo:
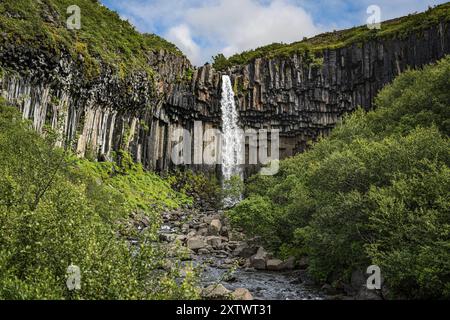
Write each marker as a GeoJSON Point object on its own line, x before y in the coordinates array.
{"type": "Point", "coordinates": [56, 211]}
{"type": "Point", "coordinates": [374, 192]}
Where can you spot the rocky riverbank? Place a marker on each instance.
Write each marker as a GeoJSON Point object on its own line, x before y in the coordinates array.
{"type": "Point", "coordinates": [234, 267]}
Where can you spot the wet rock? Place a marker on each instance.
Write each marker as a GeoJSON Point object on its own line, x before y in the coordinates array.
{"type": "Point", "coordinates": [215, 291]}
{"type": "Point", "coordinates": [242, 294]}
{"type": "Point", "coordinates": [258, 261]}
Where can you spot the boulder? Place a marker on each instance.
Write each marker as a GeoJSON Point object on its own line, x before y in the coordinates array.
{"type": "Point", "coordinates": [258, 261]}
{"type": "Point", "coordinates": [366, 294]}
{"type": "Point", "coordinates": [216, 291]}
{"type": "Point", "coordinates": [274, 265]}
{"type": "Point", "coordinates": [243, 250]}
{"type": "Point", "coordinates": [242, 294]}
{"type": "Point", "coordinates": [214, 227]}
{"type": "Point", "coordinates": [214, 241]}
{"type": "Point", "coordinates": [196, 243]}
{"type": "Point", "coordinates": [288, 264]}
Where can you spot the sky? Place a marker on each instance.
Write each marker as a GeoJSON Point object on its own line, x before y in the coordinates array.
{"type": "Point", "coordinates": [204, 28]}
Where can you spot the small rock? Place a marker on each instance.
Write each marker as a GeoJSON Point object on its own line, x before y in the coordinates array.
{"type": "Point", "coordinates": [242, 294]}
{"type": "Point", "coordinates": [203, 251]}
{"type": "Point", "coordinates": [214, 227]}
{"type": "Point", "coordinates": [215, 291]}
{"type": "Point", "coordinates": [202, 232]}
{"type": "Point", "coordinates": [214, 241]}
{"type": "Point", "coordinates": [196, 243]}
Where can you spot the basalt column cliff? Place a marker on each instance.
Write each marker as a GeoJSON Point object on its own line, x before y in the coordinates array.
{"type": "Point", "coordinates": [303, 93]}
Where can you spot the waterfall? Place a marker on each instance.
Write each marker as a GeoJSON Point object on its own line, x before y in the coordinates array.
{"type": "Point", "coordinates": [231, 138]}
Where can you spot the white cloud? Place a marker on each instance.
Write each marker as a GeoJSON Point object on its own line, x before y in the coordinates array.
{"type": "Point", "coordinates": [232, 26]}
{"type": "Point", "coordinates": [181, 36]}
{"type": "Point", "coordinates": [227, 26]}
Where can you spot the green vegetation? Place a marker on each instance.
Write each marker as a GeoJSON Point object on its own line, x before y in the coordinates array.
{"type": "Point", "coordinates": [313, 47]}
{"type": "Point", "coordinates": [374, 192]}
{"type": "Point", "coordinates": [56, 210]}
{"type": "Point", "coordinates": [204, 189]}
{"type": "Point", "coordinates": [104, 39]}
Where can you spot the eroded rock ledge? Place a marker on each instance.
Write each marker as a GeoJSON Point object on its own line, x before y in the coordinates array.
{"type": "Point", "coordinates": [303, 99]}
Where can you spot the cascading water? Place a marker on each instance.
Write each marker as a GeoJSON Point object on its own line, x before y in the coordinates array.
{"type": "Point", "coordinates": [232, 156]}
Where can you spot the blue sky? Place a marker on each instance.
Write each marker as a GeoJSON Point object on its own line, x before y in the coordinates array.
{"type": "Point", "coordinates": [203, 28]}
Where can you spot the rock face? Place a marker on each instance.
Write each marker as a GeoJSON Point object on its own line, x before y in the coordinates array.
{"type": "Point", "coordinates": [302, 99]}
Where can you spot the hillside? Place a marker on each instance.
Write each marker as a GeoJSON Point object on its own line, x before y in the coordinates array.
{"type": "Point", "coordinates": [396, 28]}
{"type": "Point", "coordinates": [104, 38]}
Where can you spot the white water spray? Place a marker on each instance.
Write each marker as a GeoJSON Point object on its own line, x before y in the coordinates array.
{"type": "Point", "coordinates": [232, 156]}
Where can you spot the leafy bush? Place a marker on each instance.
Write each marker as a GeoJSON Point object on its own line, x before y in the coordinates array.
{"type": "Point", "coordinates": [56, 211]}
{"type": "Point", "coordinates": [374, 192]}
{"type": "Point", "coordinates": [204, 189]}
{"type": "Point", "coordinates": [104, 38]}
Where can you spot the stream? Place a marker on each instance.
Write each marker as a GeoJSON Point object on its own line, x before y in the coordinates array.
{"type": "Point", "coordinates": [214, 251]}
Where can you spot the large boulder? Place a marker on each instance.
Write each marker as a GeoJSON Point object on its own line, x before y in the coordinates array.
{"type": "Point", "coordinates": [196, 243]}
{"type": "Point", "coordinates": [258, 261]}
{"type": "Point", "coordinates": [243, 250]}
{"type": "Point", "coordinates": [214, 227]}
{"type": "Point", "coordinates": [216, 291]}
{"type": "Point", "coordinates": [242, 294]}
{"type": "Point", "coordinates": [274, 265]}
{"type": "Point", "coordinates": [214, 241]}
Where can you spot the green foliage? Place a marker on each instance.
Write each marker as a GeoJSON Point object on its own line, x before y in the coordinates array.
{"type": "Point", "coordinates": [56, 211]}
{"type": "Point", "coordinates": [398, 28]}
{"type": "Point", "coordinates": [255, 215]}
{"type": "Point", "coordinates": [374, 192]}
{"type": "Point", "coordinates": [104, 38]}
{"type": "Point", "coordinates": [204, 189]}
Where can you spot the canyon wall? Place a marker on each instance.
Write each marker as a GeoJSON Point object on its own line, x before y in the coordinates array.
{"type": "Point", "coordinates": [304, 98]}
